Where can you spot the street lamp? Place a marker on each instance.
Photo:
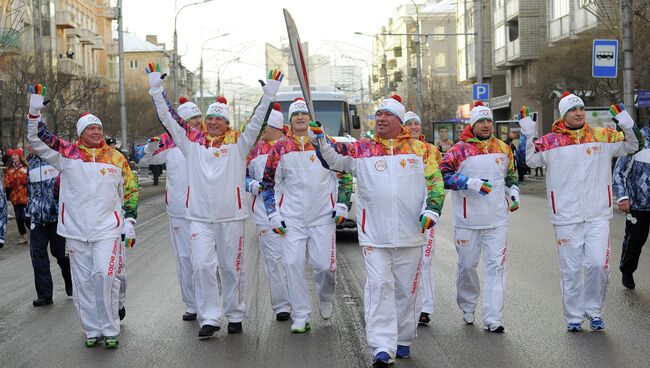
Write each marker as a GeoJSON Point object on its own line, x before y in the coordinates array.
{"type": "Point", "coordinates": [418, 81]}
{"type": "Point", "coordinates": [175, 56]}
{"type": "Point", "coordinates": [385, 63]}
{"type": "Point", "coordinates": [201, 65]}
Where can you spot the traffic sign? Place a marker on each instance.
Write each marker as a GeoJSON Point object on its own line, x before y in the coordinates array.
{"type": "Point", "coordinates": [481, 92]}
{"type": "Point", "coordinates": [605, 59]}
{"type": "Point", "coordinates": [643, 99]}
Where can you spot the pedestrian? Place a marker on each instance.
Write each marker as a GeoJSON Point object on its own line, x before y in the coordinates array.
{"type": "Point", "coordinates": [97, 206]}
{"type": "Point", "coordinates": [578, 161]}
{"type": "Point", "coordinates": [632, 188]}
{"type": "Point", "coordinates": [392, 222]}
{"type": "Point", "coordinates": [314, 200]}
{"type": "Point", "coordinates": [161, 150]}
{"type": "Point", "coordinates": [270, 242]}
{"type": "Point", "coordinates": [216, 172]}
{"type": "Point", "coordinates": [414, 126]}
{"type": "Point", "coordinates": [480, 171]}
{"type": "Point", "coordinates": [15, 183]}
{"type": "Point", "coordinates": [43, 208]}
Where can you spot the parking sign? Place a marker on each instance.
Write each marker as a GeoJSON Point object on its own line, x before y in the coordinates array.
{"type": "Point", "coordinates": [481, 92]}
{"type": "Point", "coordinates": [605, 59]}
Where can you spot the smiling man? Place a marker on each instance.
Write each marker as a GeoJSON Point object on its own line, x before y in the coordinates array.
{"type": "Point", "coordinates": [578, 161]}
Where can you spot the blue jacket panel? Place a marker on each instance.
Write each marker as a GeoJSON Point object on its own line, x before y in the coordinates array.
{"type": "Point", "coordinates": [632, 176]}
{"type": "Point", "coordinates": [42, 191]}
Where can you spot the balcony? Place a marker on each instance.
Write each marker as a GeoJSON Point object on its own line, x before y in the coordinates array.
{"type": "Point", "coordinates": [69, 67]}
{"type": "Point", "coordinates": [514, 53]}
{"type": "Point", "coordinates": [498, 16]}
{"type": "Point", "coordinates": [65, 19]}
{"type": "Point", "coordinates": [98, 43]}
{"type": "Point", "coordinates": [512, 9]}
{"type": "Point", "coordinates": [559, 29]}
{"type": "Point", "coordinates": [85, 35]}
{"type": "Point", "coordinates": [108, 12]}
{"type": "Point", "coordinates": [500, 56]}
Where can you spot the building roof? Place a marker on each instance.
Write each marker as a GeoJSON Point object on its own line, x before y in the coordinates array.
{"type": "Point", "coordinates": [442, 6]}
{"type": "Point", "coordinates": [135, 44]}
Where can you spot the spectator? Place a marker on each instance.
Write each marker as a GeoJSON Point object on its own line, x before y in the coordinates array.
{"type": "Point", "coordinates": [15, 182]}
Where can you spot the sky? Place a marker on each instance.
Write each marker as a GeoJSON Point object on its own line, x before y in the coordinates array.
{"type": "Point", "coordinates": [328, 26]}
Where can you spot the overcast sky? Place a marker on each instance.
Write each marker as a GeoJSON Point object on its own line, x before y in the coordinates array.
{"type": "Point", "coordinates": [252, 23]}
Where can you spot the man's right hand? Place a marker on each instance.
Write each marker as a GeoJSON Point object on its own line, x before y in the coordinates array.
{"type": "Point", "coordinates": [527, 124]}
{"type": "Point", "coordinates": [273, 80]}
{"type": "Point", "coordinates": [277, 223]}
{"type": "Point", "coordinates": [155, 77]}
{"type": "Point", "coordinates": [37, 99]}
{"type": "Point", "coordinates": [624, 205]}
{"type": "Point", "coordinates": [480, 186]}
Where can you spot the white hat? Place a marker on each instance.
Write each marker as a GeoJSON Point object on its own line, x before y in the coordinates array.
{"type": "Point", "coordinates": [394, 106]}
{"type": "Point", "coordinates": [410, 115]}
{"type": "Point", "coordinates": [480, 112]}
{"type": "Point", "coordinates": [568, 102]}
{"type": "Point", "coordinates": [276, 119]}
{"type": "Point", "coordinates": [219, 109]}
{"type": "Point", "coordinates": [298, 105]}
{"type": "Point", "coordinates": [187, 109]}
{"type": "Point", "coordinates": [86, 120]}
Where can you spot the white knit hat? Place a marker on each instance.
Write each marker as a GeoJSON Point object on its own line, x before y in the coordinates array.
{"type": "Point", "coordinates": [480, 112]}
{"type": "Point", "coordinates": [276, 119]}
{"type": "Point", "coordinates": [298, 105]}
{"type": "Point", "coordinates": [86, 120]}
{"type": "Point", "coordinates": [394, 106]}
{"type": "Point", "coordinates": [219, 109]}
{"type": "Point", "coordinates": [410, 115]}
{"type": "Point", "coordinates": [568, 102]}
{"type": "Point", "coordinates": [187, 109]}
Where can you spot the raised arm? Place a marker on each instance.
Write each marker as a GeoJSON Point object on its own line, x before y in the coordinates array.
{"type": "Point", "coordinates": [44, 143]}
{"type": "Point", "coordinates": [633, 140]}
{"type": "Point", "coordinates": [130, 191]}
{"type": "Point", "coordinates": [261, 112]}
{"type": "Point", "coordinates": [529, 130]}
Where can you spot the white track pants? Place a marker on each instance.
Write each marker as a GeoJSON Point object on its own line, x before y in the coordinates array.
{"type": "Point", "coordinates": [469, 245]}
{"type": "Point", "coordinates": [391, 296]}
{"type": "Point", "coordinates": [95, 268]}
{"type": "Point", "coordinates": [218, 247]}
{"type": "Point", "coordinates": [320, 243]}
{"type": "Point", "coordinates": [271, 247]}
{"type": "Point", "coordinates": [428, 278]}
{"type": "Point", "coordinates": [180, 236]}
{"type": "Point", "coordinates": [584, 251]}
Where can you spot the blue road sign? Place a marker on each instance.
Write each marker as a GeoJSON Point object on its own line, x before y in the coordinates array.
{"type": "Point", "coordinates": [605, 59]}
{"type": "Point", "coordinates": [481, 92]}
{"type": "Point", "coordinates": [643, 99]}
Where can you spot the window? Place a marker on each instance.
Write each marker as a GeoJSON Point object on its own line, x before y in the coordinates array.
{"type": "Point", "coordinates": [440, 60]}
{"type": "Point", "coordinates": [133, 64]}
{"type": "Point", "coordinates": [439, 29]}
{"type": "Point", "coordinates": [559, 8]}
{"type": "Point", "coordinates": [499, 37]}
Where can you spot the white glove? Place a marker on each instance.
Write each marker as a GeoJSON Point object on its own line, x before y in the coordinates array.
{"type": "Point", "coordinates": [622, 118]}
{"type": "Point", "coordinates": [155, 82]}
{"type": "Point", "coordinates": [277, 223]}
{"type": "Point", "coordinates": [527, 124]}
{"type": "Point", "coordinates": [128, 232]}
{"type": "Point", "coordinates": [428, 219]}
{"type": "Point", "coordinates": [254, 187]}
{"type": "Point", "coordinates": [513, 193]}
{"type": "Point", "coordinates": [480, 186]}
{"type": "Point", "coordinates": [36, 99]}
{"type": "Point", "coordinates": [272, 84]}
{"type": "Point", "coordinates": [340, 213]}
{"type": "Point", "coordinates": [151, 147]}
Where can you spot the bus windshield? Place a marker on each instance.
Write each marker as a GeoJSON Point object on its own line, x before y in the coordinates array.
{"type": "Point", "coordinates": [331, 115]}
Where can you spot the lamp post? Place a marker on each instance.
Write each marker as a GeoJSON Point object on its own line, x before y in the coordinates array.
{"type": "Point", "coordinates": [175, 56]}
{"type": "Point", "coordinates": [385, 63]}
{"type": "Point", "coordinates": [201, 66]}
{"type": "Point", "coordinates": [418, 81]}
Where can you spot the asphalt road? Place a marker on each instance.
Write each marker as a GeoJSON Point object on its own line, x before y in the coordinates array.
{"type": "Point", "coordinates": [154, 335]}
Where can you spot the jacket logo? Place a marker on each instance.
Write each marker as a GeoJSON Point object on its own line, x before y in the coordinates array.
{"type": "Point", "coordinates": [462, 242]}
{"type": "Point", "coordinates": [217, 153]}
{"type": "Point", "coordinates": [561, 242]}
{"type": "Point", "coordinates": [109, 170]}
{"type": "Point", "coordinates": [402, 163]}
{"type": "Point", "coordinates": [103, 171]}
{"type": "Point", "coordinates": [381, 165]}
{"type": "Point", "coordinates": [591, 150]}
{"type": "Point", "coordinates": [368, 250]}
{"type": "Point", "coordinates": [312, 158]}
{"type": "Point", "coordinates": [497, 161]}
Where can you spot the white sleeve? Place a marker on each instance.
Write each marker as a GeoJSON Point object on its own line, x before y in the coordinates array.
{"type": "Point", "coordinates": [248, 137]}
{"type": "Point", "coordinates": [333, 160]}
{"type": "Point", "coordinates": [176, 131]}
{"type": "Point", "coordinates": [50, 155]}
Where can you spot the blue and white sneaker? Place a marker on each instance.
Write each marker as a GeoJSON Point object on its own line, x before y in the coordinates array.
{"type": "Point", "coordinates": [382, 359]}
{"type": "Point", "coordinates": [574, 326]}
{"type": "Point", "coordinates": [403, 352]}
{"type": "Point", "coordinates": [597, 324]}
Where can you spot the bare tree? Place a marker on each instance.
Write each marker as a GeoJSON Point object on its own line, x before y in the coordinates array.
{"type": "Point", "coordinates": [440, 99]}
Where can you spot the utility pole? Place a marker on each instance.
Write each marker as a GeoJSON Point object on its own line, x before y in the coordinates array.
{"type": "Point", "coordinates": [418, 62]}
{"type": "Point", "coordinates": [628, 66]}
{"type": "Point", "coordinates": [479, 41]}
{"type": "Point", "coordinates": [120, 45]}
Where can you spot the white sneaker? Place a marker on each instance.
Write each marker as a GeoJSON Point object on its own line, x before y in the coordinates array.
{"type": "Point", "coordinates": [468, 317]}
{"type": "Point", "coordinates": [300, 327]}
{"type": "Point", "coordinates": [326, 310]}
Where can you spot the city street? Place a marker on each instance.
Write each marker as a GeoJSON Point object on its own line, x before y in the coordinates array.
{"type": "Point", "coordinates": [154, 335]}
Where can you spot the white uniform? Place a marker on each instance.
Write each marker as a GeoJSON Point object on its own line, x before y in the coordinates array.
{"type": "Point", "coordinates": [175, 201]}
{"type": "Point", "coordinates": [309, 192]}
{"type": "Point", "coordinates": [480, 221]}
{"type": "Point", "coordinates": [270, 242]}
{"type": "Point", "coordinates": [579, 191]}
{"type": "Point", "coordinates": [217, 208]}
{"type": "Point", "coordinates": [396, 180]}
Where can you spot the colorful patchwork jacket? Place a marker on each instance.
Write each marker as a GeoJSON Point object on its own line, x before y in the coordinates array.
{"type": "Point", "coordinates": [397, 179]}
{"type": "Point", "coordinates": [490, 159]}
{"type": "Point", "coordinates": [3, 214]}
{"type": "Point", "coordinates": [15, 183]}
{"type": "Point", "coordinates": [579, 169]}
{"type": "Point", "coordinates": [255, 165]}
{"type": "Point", "coordinates": [632, 176]}
{"type": "Point", "coordinates": [43, 188]}
{"type": "Point", "coordinates": [98, 188]}
{"type": "Point", "coordinates": [309, 191]}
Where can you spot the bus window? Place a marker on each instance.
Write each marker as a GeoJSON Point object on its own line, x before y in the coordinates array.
{"type": "Point", "coordinates": [331, 115]}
